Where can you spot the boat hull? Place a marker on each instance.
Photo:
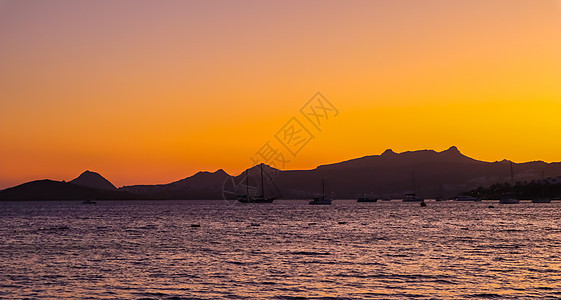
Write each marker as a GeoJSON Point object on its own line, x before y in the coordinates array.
{"type": "Point", "coordinates": [255, 200]}
{"type": "Point", "coordinates": [509, 201]}
{"type": "Point", "coordinates": [320, 201]}
{"type": "Point", "coordinates": [367, 200]}
{"type": "Point", "coordinates": [412, 198]}
{"type": "Point", "coordinates": [541, 200]}
{"type": "Point", "coordinates": [468, 198]}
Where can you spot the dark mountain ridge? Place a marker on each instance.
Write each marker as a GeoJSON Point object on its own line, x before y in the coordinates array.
{"type": "Point", "coordinates": [427, 172]}
{"type": "Point", "coordinates": [202, 185]}
{"type": "Point", "coordinates": [390, 174]}
{"type": "Point", "coordinates": [93, 180]}
{"type": "Point", "coordinates": [58, 190]}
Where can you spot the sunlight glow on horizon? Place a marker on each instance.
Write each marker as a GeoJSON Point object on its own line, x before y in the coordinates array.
{"type": "Point", "coordinates": [147, 93]}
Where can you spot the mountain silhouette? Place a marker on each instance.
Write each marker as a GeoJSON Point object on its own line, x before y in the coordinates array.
{"type": "Point", "coordinates": [203, 185]}
{"type": "Point", "coordinates": [390, 174]}
{"type": "Point", "coordinates": [58, 190]}
{"type": "Point", "coordinates": [426, 172]}
{"type": "Point", "coordinates": [435, 174]}
{"type": "Point", "coordinates": [93, 180]}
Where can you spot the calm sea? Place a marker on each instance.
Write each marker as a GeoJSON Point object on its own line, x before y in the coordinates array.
{"type": "Point", "coordinates": [284, 250]}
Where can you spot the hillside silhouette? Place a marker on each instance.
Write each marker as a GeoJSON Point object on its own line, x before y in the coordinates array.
{"type": "Point", "coordinates": [93, 180]}
{"type": "Point", "coordinates": [203, 185]}
{"type": "Point", "coordinates": [389, 175]}
{"type": "Point", "coordinates": [58, 190]}
{"type": "Point", "coordinates": [435, 174]}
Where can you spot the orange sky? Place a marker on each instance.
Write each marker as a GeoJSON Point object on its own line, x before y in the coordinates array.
{"type": "Point", "coordinates": [153, 91]}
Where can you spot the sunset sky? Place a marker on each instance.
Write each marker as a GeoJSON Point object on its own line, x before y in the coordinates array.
{"type": "Point", "coordinates": [148, 92]}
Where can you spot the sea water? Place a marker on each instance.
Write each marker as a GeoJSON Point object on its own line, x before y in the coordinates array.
{"type": "Point", "coordinates": [283, 250]}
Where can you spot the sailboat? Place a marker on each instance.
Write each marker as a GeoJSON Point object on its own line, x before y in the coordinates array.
{"type": "Point", "coordinates": [506, 199]}
{"type": "Point", "coordinates": [542, 199]}
{"type": "Point", "coordinates": [260, 198]}
{"type": "Point", "coordinates": [323, 200]}
{"type": "Point", "coordinates": [411, 197]}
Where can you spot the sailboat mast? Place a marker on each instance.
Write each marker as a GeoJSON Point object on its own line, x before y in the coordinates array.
{"type": "Point", "coordinates": [247, 183]}
{"type": "Point", "coordinates": [511, 174]}
{"type": "Point", "coordinates": [413, 180]}
{"type": "Point", "coordinates": [262, 190]}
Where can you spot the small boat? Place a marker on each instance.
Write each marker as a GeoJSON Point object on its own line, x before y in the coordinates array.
{"type": "Point", "coordinates": [250, 199]}
{"type": "Point", "coordinates": [542, 199]}
{"type": "Point", "coordinates": [367, 199]}
{"type": "Point", "coordinates": [260, 198]}
{"type": "Point", "coordinates": [320, 201]}
{"type": "Point", "coordinates": [467, 198]}
{"type": "Point", "coordinates": [323, 200]}
{"type": "Point", "coordinates": [89, 202]}
{"type": "Point", "coordinates": [508, 200]}
{"type": "Point", "coordinates": [412, 198]}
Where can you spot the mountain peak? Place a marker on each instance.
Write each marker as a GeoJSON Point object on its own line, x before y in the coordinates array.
{"type": "Point", "coordinates": [389, 152]}
{"type": "Point", "coordinates": [452, 149]}
{"type": "Point", "coordinates": [93, 180]}
{"type": "Point", "coordinates": [266, 168]}
{"type": "Point", "coordinates": [220, 171]}
{"type": "Point", "coordinates": [202, 178]}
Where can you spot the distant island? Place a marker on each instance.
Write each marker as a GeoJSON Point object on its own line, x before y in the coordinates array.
{"type": "Point", "coordinates": [442, 174]}
{"type": "Point", "coordinates": [88, 186]}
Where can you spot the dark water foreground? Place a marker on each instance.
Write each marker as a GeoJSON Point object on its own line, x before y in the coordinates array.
{"type": "Point", "coordinates": [287, 250]}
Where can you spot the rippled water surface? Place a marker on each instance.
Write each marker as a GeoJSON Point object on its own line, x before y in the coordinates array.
{"type": "Point", "coordinates": [284, 250]}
